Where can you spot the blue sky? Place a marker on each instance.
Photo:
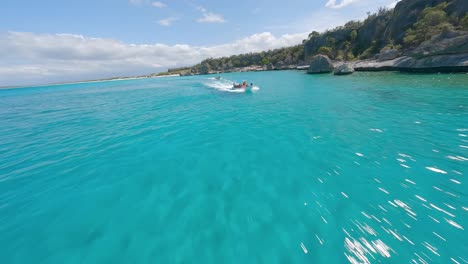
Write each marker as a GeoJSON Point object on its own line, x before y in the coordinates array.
{"type": "Point", "coordinates": [57, 40]}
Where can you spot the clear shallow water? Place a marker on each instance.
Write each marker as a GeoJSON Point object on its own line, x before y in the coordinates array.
{"type": "Point", "coordinates": [306, 169]}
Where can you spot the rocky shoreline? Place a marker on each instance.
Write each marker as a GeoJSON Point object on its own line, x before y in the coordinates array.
{"type": "Point", "coordinates": [417, 36]}
{"type": "Point", "coordinates": [454, 63]}
{"type": "Point", "coordinates": [440, 63]}
{"type": "Point", "coordinates": [446, 53]}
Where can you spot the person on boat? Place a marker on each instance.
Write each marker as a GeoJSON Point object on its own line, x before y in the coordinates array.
{"type": "Point", "coordinates": [238, 85]}
{"type": "Point", "coordinates": [242, 85]}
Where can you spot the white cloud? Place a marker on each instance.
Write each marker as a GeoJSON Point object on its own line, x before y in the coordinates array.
{"type": "Point", "coordinates": [167, 21]}
{"type": "Point", "coordinates": [343, 3]}
{"type": "Point", "coordinates": [29, 58]}
{"type": "Point", "coordinates": [209, 17]}
{"type": "Point", "coordinates": [158, 4]}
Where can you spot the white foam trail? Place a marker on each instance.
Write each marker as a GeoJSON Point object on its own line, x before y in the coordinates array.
{"type": "Point", "coordinates": [420, 198]}
{"type": "Point", "coordinates": [226, 86]}
{"type": "Point", "coordinates": [455, 181]}
{"type": "Point", "coordinates": [404, 155]}
{"type": "Point", "coordinates": [442, 210]}
{"type": "Point", "coordinates": [436, 170]}
{"type": "Point", "coordinates": [324, 220]}
{"type": "Point", "coordinates": [409, 241]}
{"type": "Point", "coordinates": [383, 190]}
{"type": "Point", "coordinates": [451, 207]}
{"type": "Point", "coordinates": [439, 236]}
{"type": "Point", "coordinates": [319, 240]}
{"type": "Point", "coordinates": [459, 158]}
{"type": "Point", "coordinates": [431, 248]}
{"type": "Point", "coordinates": [304, 248]}
{"type": "Point", "coordinates": [410, 181]}
{"type": "Point", "coordinates": [435, 220]}
{"type": "Point", "coordinates": [453, 223]}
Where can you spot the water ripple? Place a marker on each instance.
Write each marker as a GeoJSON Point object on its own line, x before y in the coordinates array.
{"type": "Point", "coordinates": [309, 169]}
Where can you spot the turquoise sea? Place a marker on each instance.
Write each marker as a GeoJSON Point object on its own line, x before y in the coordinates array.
{"type": "Point", "coordinates": [367, 168]}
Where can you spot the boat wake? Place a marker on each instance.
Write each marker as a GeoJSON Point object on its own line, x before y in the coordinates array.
{"type": "Point", "coordinates": [225, 85]}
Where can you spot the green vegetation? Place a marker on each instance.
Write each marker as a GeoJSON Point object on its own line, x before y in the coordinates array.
{"type": "Point", "coordinates": [325, 50]}
{"type": "Point", "coordinates": [353, 35]}
{"type": "Point", "coordinates": [181, 71]}
{"type": "Point", "coordinates": [411, 23]}
{"type": "Point", "coordinates": [433, 21]}
{"type": "Point", "coordinates": [464, 23]}
{"type": "Point", "coordinates": [278, 58]}
{"type": "Point", "coordinates": [370, 51]}
{"type": "Point", "coordinates": [355, 39]}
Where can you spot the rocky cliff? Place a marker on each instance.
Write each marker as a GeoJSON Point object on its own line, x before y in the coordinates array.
{"type": "Point", "coordinates": [403, 28]}
{"type": "Point", "coordinates": [427, 35]}
{"type": "Point", "coordinates": [446, 52]}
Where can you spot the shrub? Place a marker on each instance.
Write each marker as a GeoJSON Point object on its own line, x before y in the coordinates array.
{"type": "Point", "coordinates": [433, 21]}
{"type": "Point", "coordinates": [349, 56]}
{"type": "Point", "coordinates": [391, 46]}
{"type": "Point", "coordinates": [340, 55]}
{"type": "Point", "coordinates": [464, 22]}
{"type": "Point", "coordinates": [325, 50]}
{"type": "Point", "coordinates": [314, 34]}
{"type": "Point", "coordinates": [330, 41]}
{"type": "Point", "coordinates": [371, 51]}
{"type": "Point", "coordinates": [353, 35]}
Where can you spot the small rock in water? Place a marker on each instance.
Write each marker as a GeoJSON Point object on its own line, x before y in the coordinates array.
{"type": "Point", "coordinates": [320, 64]}
{"type": "Point", "coordinates": [343, 69]}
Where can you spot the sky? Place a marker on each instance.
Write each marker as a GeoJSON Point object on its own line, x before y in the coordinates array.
{"type": "Point", "coordinates": [52, 41]}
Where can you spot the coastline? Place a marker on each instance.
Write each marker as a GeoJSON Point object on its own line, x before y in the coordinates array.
{"type": "Point", "coordinates": [117, 79]}
{"type": "Point", "coordinates": [437, 64]}
{"type": "Point", "coordinates": [406, 64]}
